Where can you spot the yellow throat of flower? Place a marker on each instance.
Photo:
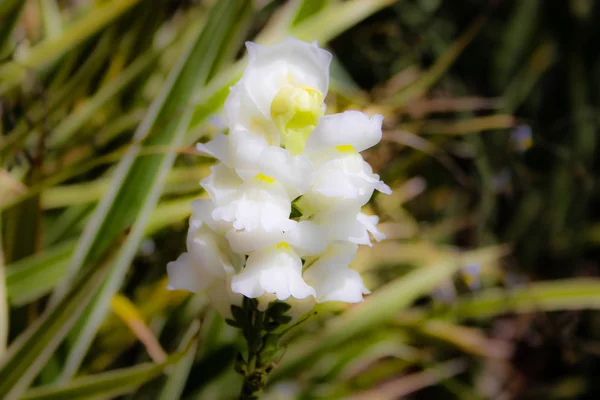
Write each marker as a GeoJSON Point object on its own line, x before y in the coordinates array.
{"type": "Point", "coordinates": [296, 112]}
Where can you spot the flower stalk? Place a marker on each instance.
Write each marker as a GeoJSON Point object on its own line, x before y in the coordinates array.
{"type": "Point", "coordinates": [261, 331]}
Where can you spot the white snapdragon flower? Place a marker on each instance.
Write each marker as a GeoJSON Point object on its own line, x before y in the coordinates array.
{"type": "Point", "coordinates": [284, 218]}
{"type": "Point", "coordinates": [343, 178]}
{"type": "Point", "coordinates": [331, 278]}
{"type": "Point", "coordinates": [349, 226]}
{"type": "Point", "coordinates": [208, 266]}
{"type": "Point", "coordinates": [281, 93]}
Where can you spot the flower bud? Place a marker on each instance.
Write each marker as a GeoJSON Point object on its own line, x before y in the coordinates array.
{"type": "Point", "coordinates": [296, 112]}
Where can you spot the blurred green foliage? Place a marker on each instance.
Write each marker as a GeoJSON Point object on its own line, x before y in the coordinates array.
{"type": "Point", "coordinates": [486, 287]}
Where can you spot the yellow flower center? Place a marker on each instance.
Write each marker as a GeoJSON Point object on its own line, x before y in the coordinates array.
{"type": "Point", "coordinates": [265, 178]}
{"type": "Point", "coordinates": [296, 112]}
{"type": "Point", "coordinates": [283, 245]}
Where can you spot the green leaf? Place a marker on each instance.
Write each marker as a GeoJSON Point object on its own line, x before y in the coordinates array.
{"type": "Point", "coordinates": [14, 73]}
{"type": "Point", "coordinates": [4, 320]}
{"type": "Point", "coordinates": [64, 131]}
{"type": "Point", "coordinates": [28, 354]}
{"type": "Point", "coordinates": [105, 385]}
{"type": "Point", "coordinates": [138, 181]}
{"type": "Point", "coordinates": [10, 11]}
{"type": "Point", "coordinates": [34, 276]}
{"type": "Point", "coordinates": [50, 13]}
{"type": "Point", "coordinates": [336, 18]}
{"type": "Point", "coordinates": [179, 374]}
{"type": "Point", "coordinates": [568, 294]}
{"type": "Point", "coordinates": [441, 65]}
{"type": "Point", "coordinates": [37, 275]}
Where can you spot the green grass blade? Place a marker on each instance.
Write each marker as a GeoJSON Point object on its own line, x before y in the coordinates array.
{"type": "Point", "coordinates": [10, 11]}
{"type": "Point", "coordinates": [105, 385]}
{"type": "Point", "coordinates": [3, 302]}
{"type": "Point", "coordinates": [137, 182]}
{"type": "Point", "coordinates": [179, 374]}
{"type": "Point", "coordinates": [336, 18]}
{"type": "Point", "coordinates": [50, 13]}
{"type": "Point", "coordinates": [28, 354]}
{"type": "Point", "coordinates": [14, 73]}
{"type": "Point", "coordinates": [75, 121]}
{"type": "Point", "coordinates": [36, 275]}
{"type": "Point", "coordinates": [567, 294]}
{"type": "Point", "coordinates": [441, 65]}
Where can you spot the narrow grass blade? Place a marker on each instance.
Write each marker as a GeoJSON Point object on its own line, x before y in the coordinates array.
{"type": "Point", "coordinates": [179, 374]}
{"type": "Point", "coordinates": [424, 82]}
{"type": "Point", "coordinates": [28, 354]}
{"type": "Point", "coordinates": [3, 302]}
{"type": "Point", "coordinates": [129, 314]}
{"type": "Point", "coordinates": [106, 385]}
{"type": "Point", "coordinates": [75, 121]}
{"type": "Point", "coordinates": [10, 11]}
{"type": "Point", "coordinates": [14, 72]}
{"type": "Point", "coordinates": [137, 182]}
{"type": "Point", "coordinates": [35, 276]}
{"type": "Point", "coordinates": [568, 294]}
{"type": "Point", "coordinates": [50, 13]}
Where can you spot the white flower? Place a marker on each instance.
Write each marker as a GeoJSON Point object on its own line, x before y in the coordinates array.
{"type": "Point", "coordinates": [276, 270]}
{"type": "Point", "coordinates": [281, 91]}
{"type": "Point", "coordinates": [217, 148]}
{"type": "Point", "coordinates": [342, 178]}
{"type": "Point", "coordinates": [248, 239]}
{"type": "Point", "coordinates": [331, 278]}
{"type": "Point", "coordinates": [222, 184]}
{"type": "Point", "coordinates": [262, 201]}
{"type": "Point", "coordinates": [349, 225]}
{"type": "Point", "coordinates": [260, 204]}
{"type": "Point", "coordinates": [207, 267]}
{"type": "Point", "coordinates": [348, 129]}
{"type": "Point", "coordinates": [274, 264]}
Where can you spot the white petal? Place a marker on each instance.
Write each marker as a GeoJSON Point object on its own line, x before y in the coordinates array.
{"type": "Point", "coordinates": [217, 148]}
{"type": "Point", "coordinates": [233, 104]}
{"type": "Point", "coordinates": [370, 224]}
{"type": "Point", "coordinates": [183, 274]}
{"type": "Point", "coordinates": [276, 270]}
{"type": "Point", "coordinates": [291, 62]}
{"type": "Point", "coordinates": [344, 181]}
{"type": "Point", "coordinates": [343, 225]}
{"type": "Point", "coordinates": [350, 128]}
{"type": "Point", "coordinates": [382, 187]}
{"type": "Point", "coordinates": [257, 205]}
{"type": "Point", "coordinates": [210, 254]}
{"type": "Point", "coordinates": [332, 279]}
{"type": "Point", "coordinates": [306, 238]}
{"type": "Point", "coordinates": [245, 242]}
{"type": "Point", "coordinates": [221, 296]}
{"type": "Point", "coordinates": [202, 214]}
{"type": "Point", "coordinates": [222, 183]}
{"type": "Point", "coordinates": [245, 149]}
{"type": "Point", "coordinates": [294, 172]}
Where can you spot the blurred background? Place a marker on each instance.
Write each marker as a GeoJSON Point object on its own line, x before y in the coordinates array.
{"type": "Point", "coordinates": [485, 289]}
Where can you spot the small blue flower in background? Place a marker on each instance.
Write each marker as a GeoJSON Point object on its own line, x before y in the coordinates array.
{"type": "Point", "coordinates": [472, 275]}
{"type": "Point", "coordinates": [521, 138]}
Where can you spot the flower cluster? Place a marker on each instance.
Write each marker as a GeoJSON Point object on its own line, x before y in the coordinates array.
{"type": "Point", "coordinates": [284, 217]}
